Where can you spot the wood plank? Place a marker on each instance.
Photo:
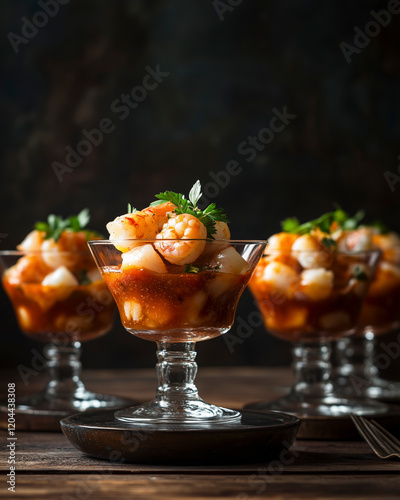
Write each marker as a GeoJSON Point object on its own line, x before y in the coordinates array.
{"type": "Point", "coordinates": [47, 464]}
{"type": "Point", "coordinates": [51, 452]}
{"type": "Point", "coordinates": [211, 487]}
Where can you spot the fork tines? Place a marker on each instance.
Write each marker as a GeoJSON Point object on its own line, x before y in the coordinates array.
{"type": "Point", "coordinates": [383, 443]}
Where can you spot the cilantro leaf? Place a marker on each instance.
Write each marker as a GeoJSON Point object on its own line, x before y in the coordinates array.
{"type": "Point", "coordinates": [191, 269]}
{"type": "Point", "coordinates": [360, 275]}
{"type": "Point", "coordinates": [83, 279]}
{"type": "Point", "coordinates": [324, 222]}
{"type": "Point", "coordinates": [195, 193]}
{"type": "Point", "coordinates": [353, 222]}
{"type": "Point", "coordinates": [131, 209]}
{"type": "Point", "coordinates": [209, 216]}
{"type": "Point", "coordinates": [175, 198]}
{"type": "Point", "coordinates": [41, 226]}
{"type": "Point", "coordinates": [55, 225]}
{"type": "Point", "coordinates": [329, 243]}
{"type": "Point", "coordinates": [83, 218]}
{"type": "Point", "coordinates": [290, 224]}
{"type": "Point", "coordinates": [74, 223]}
{"type": "Point", "coordinates": [382, 228]}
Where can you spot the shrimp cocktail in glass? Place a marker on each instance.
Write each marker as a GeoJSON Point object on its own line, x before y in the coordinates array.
{"type": "Point", "coordinates": [59, 299]}
{"type": "Point", "coordinates": [176, 278]}
{"type": "Point", "coordinates": [357, 372]}
{"type": "Point", "coordinates": [310, 291]}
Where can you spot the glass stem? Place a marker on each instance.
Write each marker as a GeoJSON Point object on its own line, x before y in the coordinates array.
{"type": "Point", "coordinates": [355, 359]}
{"type": "Point", "coordinates": [371, 369]}
{"type": "Point", "coordinates": [64, 368]}
{"type": "Point", "coordinates": [312, 369]}
{"type": "Point", "coordinates": [176, 370]}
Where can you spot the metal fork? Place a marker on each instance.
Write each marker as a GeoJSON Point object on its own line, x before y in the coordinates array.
{"type": "Point", "coordinates": [383, 443]}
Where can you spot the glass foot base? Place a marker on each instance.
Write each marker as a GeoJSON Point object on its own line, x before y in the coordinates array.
{"type": "Point", "coordinates": [189, 412]}
{"type": "Point", "coordinates": [355, 386]}
{"type": "Point", "coordinates": [329, 406]}
{"type": "Point", "coordinates": [43, 413]}
{"type": "Point", "coordinates": [384, 389]}
{"type": "Point", "coordinates": [81, 401]}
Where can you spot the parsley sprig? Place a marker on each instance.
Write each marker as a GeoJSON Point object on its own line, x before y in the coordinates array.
{"type": "Point", "coordinates": [131, 209]}
{"type": "Point", "coordinates": [324, 223]}
{"type": "Point", "coordinates": [209, 216]}
{"type": "Point", "coordinates": [190, 268]}
{"type": "Point", "coordinates": [380, 226]}
{"type": "Point", "coordinates": [360, 275]}
{"type": "Point", "coordinates": [55, 225]}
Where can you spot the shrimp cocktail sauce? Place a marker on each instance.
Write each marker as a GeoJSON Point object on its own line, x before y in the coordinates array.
{"type": "Point", "coordinates": [178, 278]}
{"type": "Point", "coordinates": [381, 309]}
{"type": "Point", "coordinates": [55, 286]}
{"type": "Point", "coordinates": [313, 278]}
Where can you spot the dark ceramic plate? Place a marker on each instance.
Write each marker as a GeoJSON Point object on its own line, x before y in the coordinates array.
{"type": "Point", "coordinates": [255, 437]}
{"type": "Point", "coordinates": [341, 427]}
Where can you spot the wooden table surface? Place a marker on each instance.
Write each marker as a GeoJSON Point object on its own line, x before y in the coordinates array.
{"type": "Point", "coordinates": [49, 467]}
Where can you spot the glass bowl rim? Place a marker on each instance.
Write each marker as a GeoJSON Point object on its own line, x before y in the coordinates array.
{"type": "Point", "coordinates": [21, 253]}
{"type": "Point", "coordinates": [159, 240]}
{"type": "Point", "coordinates": [268, 253]}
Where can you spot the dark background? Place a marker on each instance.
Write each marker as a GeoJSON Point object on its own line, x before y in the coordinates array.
{"type": "Point", "coordinates": [226, 77]}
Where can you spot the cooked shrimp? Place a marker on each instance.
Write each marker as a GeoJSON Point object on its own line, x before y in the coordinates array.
{"type": "Point", "coordinates": [295, 319]}
{"type": "Point", "coordinates": [358, 275]}
{"type": "Point", "coordinates": [316, 284]}
{"type": "Point", "coordinates": [143, 257]}
{"type": "Point", "coordinates": [182, 227]}
{"type": "Point", "coordinates": [281, 241]}
{"type": "Point", "coordinates": [161, 212]}
{"type": "Point", "coordinates": [68, 251]}
{"type": "Point", "coordinates": [229, 260]}
{"type": "Point", "coordinates": [390, 245]}
{"type": "Point", "coordinates": [32, 242]}
{"type": "Point", "coordinates": [133, 311]}
{"type": "Point", "coordinates": [311, 253]}
{"type": "Point", "coordinates": [144, 224]}
{"type": "Point", "coordinates": [386, 279]}
{"type": "Point", "coordinates": [281, 277]}
{"type": "Point", "coordinates": [29, 269]}
{"type": "Point", "coordinates": [385, 241]}
{"type": "Point", "coordinates": [222, 231]}
{"type": "Point", "coordinates": [61, 277]}
{"type": "Point", "coordinates": [136, 226]}
{"type": "Point", "coordinates": [357, 240]}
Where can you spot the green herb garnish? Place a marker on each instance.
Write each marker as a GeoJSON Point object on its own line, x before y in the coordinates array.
{"type": "Point", "coordinates": [55, 225]}
{"type": "Point", "coordinates": [83, 279]}
{"type": "Point", "coordinates": [131, 209]}
{"type": "Point", "coordinates": [208, 216]}
{"type": "Point", "coordinates": [189, 268]}
{"type": "Point", "coordinates": [290, 225]}
{"type": "Point", "coordinates": [360, 275]}
{"type": "Point", "coordinates": [382, 228]}
{"type": "Point", "coordinates": [324, 223]}
{"type": "Point", "coordinates": [329, 243]}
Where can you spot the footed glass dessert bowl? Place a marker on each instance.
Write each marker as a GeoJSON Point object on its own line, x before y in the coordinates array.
{"type": "Point", "coordinates": [177, 276]}
{"type": "Point", "coordinates": [311, 293]}
{"type": "Point", "coordinates": [176, 304]}
{"type": "Point", "coordinates": [61, 308]}
{"type": "Point", "coordinates": [60, 300]}
{"type": "Point", "coordinates": [357, 373]}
